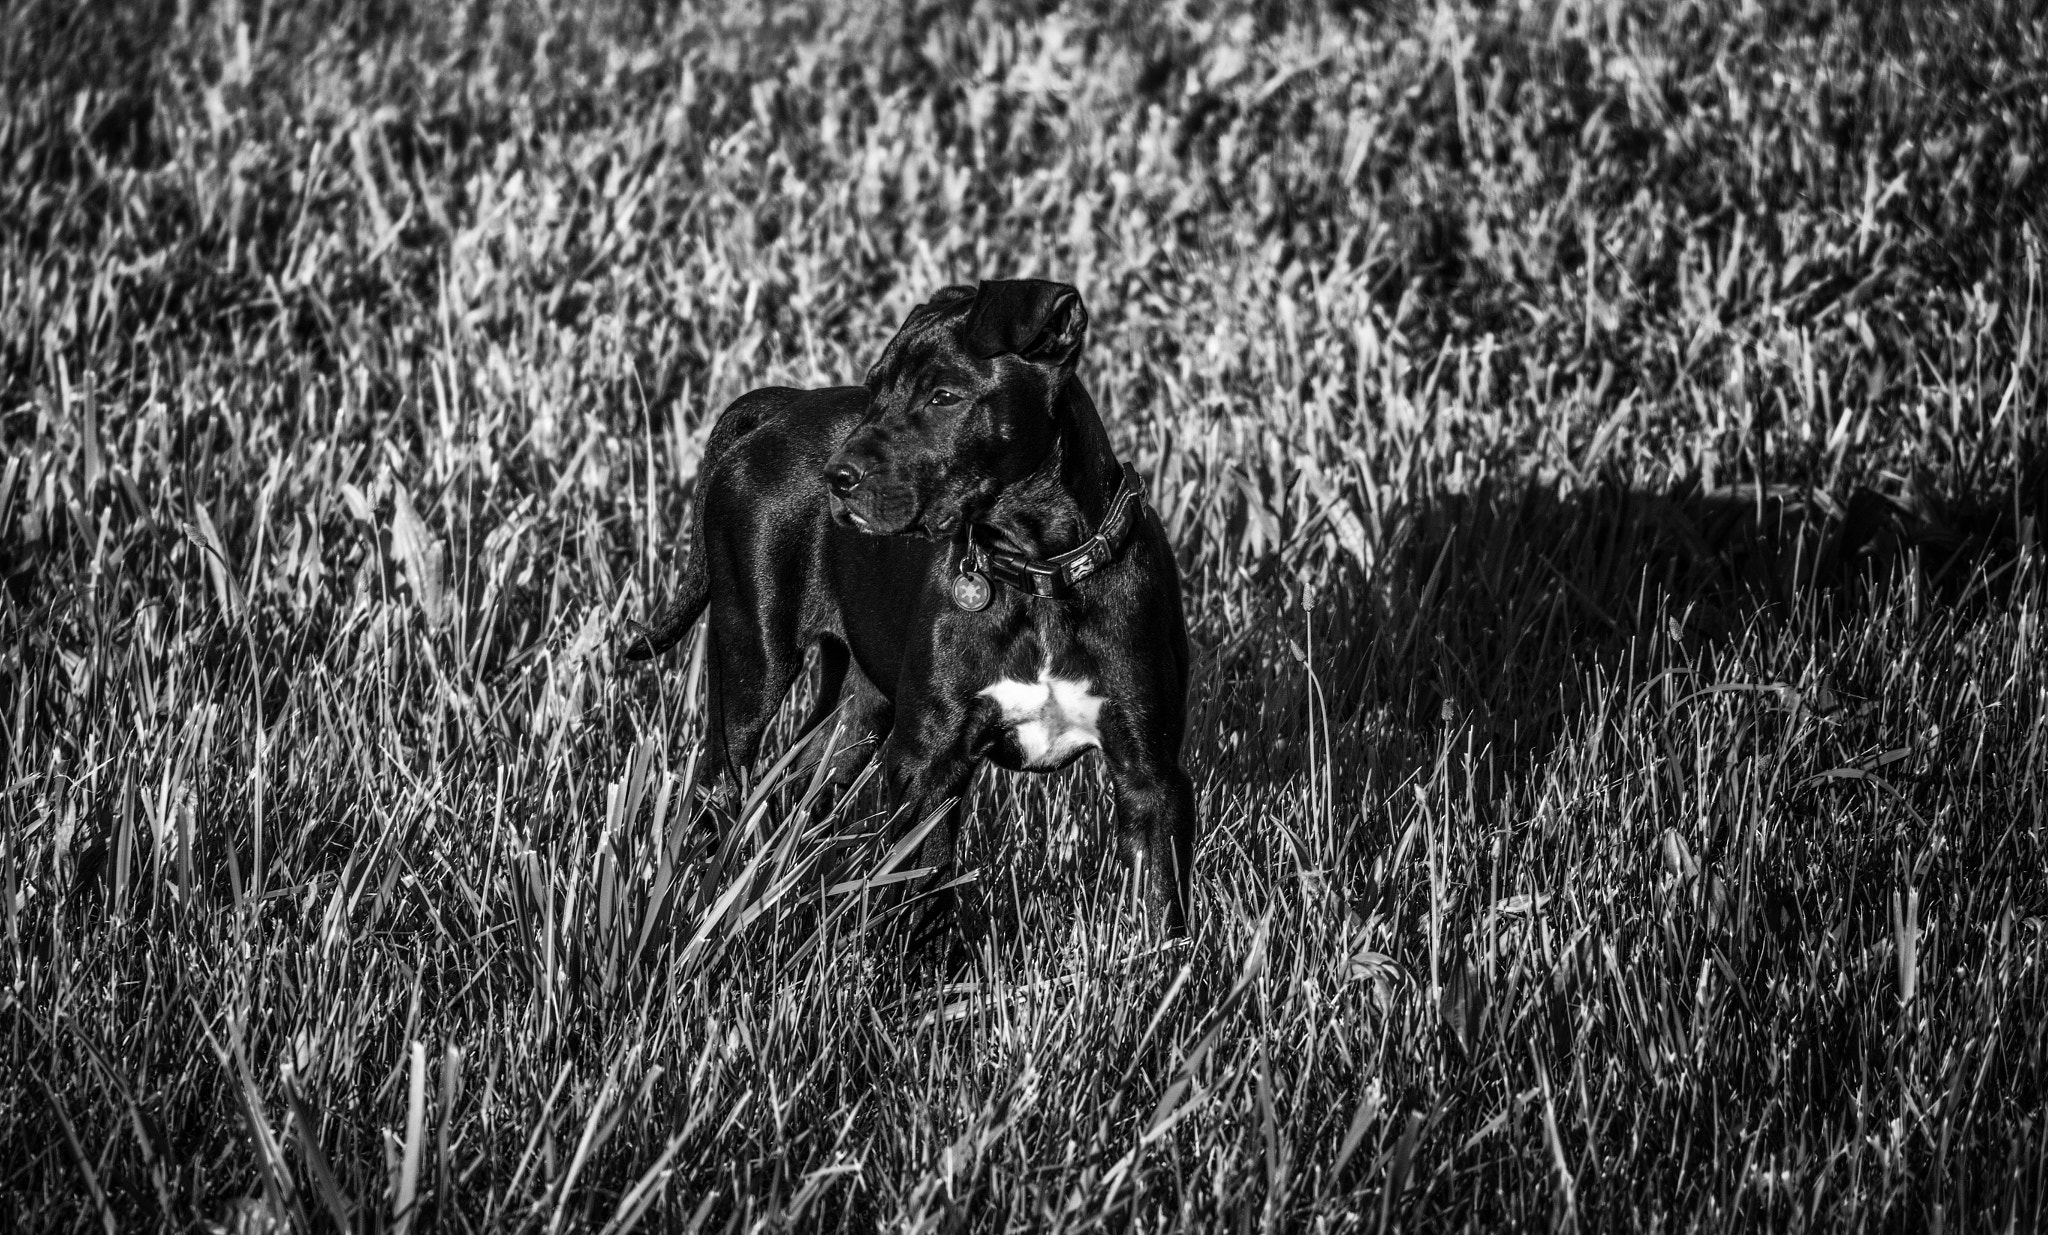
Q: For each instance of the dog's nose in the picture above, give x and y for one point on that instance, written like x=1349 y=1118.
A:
x=844 y=477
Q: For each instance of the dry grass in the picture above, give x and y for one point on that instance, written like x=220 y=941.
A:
x=1604 y=442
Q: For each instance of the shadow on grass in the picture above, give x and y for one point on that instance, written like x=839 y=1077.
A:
x=1505 y=609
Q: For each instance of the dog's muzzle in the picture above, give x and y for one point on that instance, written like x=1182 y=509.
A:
x=844 y=479
x=869 y=500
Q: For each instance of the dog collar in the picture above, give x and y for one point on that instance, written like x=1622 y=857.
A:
x=1052 y=578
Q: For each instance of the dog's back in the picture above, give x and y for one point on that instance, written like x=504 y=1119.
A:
x=760 y=465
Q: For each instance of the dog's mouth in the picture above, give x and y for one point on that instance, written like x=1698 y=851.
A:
x=873 y=517
x=913 y=519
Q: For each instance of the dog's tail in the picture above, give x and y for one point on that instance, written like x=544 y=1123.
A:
x=673 y=622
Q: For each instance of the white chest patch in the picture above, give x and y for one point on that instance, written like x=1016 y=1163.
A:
x=1052 y=719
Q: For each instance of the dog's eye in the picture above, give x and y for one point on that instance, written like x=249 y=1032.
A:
x=944 y=398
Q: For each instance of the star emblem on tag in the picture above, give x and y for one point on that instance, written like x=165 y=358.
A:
x=971 y=591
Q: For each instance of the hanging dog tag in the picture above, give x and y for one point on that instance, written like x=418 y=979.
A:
x=971 y=592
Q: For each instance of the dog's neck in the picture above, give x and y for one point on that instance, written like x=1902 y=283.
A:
x=1062 y=501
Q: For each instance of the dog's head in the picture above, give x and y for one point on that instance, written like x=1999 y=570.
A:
x=962 y=405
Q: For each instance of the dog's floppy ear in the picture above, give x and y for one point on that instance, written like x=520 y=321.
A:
x=942 y=300
x=1032 y=318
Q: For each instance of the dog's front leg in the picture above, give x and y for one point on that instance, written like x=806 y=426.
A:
x=927 y=762
x=1155 y=813
x=864 y=720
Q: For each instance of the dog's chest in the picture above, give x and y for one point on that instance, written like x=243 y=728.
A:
x=1049 y=721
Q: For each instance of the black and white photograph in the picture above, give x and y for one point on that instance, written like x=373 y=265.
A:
x=1070 y=616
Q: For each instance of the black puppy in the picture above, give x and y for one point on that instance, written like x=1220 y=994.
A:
x=961 y=531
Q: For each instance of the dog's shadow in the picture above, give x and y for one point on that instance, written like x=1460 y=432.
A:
x=1496 y=616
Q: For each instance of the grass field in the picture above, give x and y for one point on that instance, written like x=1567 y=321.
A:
x=1605 y=446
